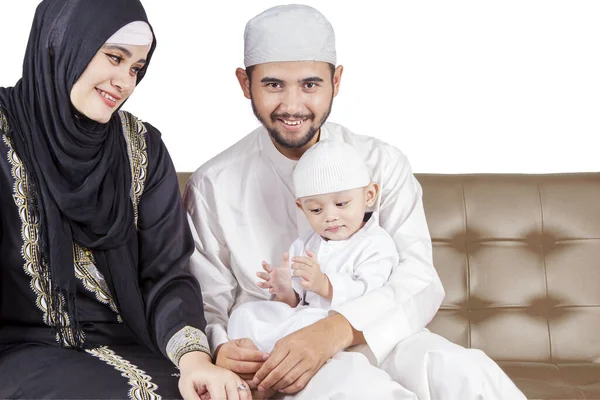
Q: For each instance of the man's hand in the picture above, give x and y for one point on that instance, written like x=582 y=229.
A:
x=298 y=356
x=242 y=357
x=279 y=281
x=313 y=279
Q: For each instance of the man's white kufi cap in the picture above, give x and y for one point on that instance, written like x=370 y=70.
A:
x=289 y=33
x=327 y=167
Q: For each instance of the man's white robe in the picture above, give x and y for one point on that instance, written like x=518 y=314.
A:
x=242 y=210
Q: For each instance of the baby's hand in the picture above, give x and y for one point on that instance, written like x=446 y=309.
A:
x=276 y=280
x=309 y=270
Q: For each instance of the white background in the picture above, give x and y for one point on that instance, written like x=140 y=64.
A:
x=459 y=86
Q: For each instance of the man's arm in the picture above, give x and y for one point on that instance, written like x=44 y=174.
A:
x=298 y=356
x=414 y=292
x=210 y=265
x=382 y=317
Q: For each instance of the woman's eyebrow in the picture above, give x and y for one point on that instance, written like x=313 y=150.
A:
x=124 y=50
x=120 y=48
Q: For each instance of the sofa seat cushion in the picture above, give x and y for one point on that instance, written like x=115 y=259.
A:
x=555 y=381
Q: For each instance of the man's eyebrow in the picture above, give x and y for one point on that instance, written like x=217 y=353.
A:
x=268 y=79
x=124 y=50
x=311 y=79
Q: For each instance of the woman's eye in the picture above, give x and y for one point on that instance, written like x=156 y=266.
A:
x=115 y=58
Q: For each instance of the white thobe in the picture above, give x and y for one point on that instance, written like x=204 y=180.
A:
x=354 y=266
x=242 y=210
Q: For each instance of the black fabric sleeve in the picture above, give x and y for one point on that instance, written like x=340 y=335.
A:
x=171 y=293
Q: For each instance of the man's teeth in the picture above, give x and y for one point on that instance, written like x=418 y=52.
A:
x=108 y=96
x=293 y=123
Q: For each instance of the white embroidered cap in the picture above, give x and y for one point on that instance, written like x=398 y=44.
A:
x=329 y=167
x=135 y=33
x=289 y=33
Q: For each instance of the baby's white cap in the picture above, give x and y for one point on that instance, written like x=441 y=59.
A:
x=327 y=167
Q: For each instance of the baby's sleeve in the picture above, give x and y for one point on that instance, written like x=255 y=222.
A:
x=371 y=270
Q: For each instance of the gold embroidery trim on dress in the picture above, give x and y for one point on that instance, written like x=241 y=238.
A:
x=185 y=340
x=85 y=265
x=85 y=268
x=3 y=122
x=30 y=249
x=91 y=278
x=141 y=384
x=135 y=131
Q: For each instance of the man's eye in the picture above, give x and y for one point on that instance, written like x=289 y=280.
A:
x=310 y=85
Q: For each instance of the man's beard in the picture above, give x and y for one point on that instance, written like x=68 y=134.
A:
x=298 y=142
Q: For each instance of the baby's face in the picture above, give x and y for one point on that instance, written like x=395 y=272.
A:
x=339 y=215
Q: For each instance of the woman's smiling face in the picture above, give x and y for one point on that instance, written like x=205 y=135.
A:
x=108 y=80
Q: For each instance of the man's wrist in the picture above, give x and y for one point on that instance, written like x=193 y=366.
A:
x=216 y=352
x=343 y=330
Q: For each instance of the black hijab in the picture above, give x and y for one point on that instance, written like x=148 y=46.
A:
x=78 y=168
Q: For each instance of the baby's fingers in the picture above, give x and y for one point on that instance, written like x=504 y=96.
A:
x=266 y=266
x=311 y=254
x=263 y=275
x=285 y=262
x=263 y=285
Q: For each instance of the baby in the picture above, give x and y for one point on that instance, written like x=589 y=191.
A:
x=344 y=256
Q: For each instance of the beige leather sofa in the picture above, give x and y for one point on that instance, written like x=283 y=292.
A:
x=519 y=256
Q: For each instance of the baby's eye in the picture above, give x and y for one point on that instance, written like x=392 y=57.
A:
x=315 y=210
x=342 y=204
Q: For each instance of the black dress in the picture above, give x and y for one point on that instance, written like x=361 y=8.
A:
x=114 y=364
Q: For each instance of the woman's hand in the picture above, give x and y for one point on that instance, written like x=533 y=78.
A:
x=202 y=380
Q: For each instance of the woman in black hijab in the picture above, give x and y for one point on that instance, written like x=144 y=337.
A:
x=96 y=299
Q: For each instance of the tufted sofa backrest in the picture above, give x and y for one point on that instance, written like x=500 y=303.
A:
x=519 y=257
